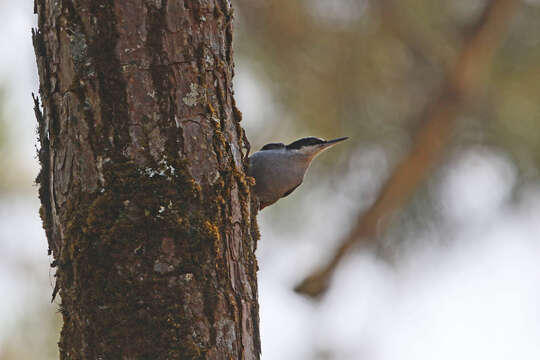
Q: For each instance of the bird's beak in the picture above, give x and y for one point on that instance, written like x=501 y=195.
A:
x=330 y=143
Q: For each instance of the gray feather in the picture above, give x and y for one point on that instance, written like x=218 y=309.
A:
x=277 y=173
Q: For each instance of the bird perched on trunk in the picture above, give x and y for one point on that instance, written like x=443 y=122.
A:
x=279 y=169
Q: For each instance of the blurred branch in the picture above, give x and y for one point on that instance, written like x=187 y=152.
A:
x=466 y=80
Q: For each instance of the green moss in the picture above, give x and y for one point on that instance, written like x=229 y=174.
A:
x=211 y=231
x=106 y=230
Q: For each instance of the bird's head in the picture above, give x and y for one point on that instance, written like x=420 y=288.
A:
x=312 y=146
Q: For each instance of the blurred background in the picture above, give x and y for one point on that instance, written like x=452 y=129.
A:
x=454 y=273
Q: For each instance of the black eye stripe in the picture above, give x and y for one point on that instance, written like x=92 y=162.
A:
x=272 y=146
x=305 y=142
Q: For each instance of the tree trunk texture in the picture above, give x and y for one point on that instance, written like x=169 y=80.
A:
x=145 y=203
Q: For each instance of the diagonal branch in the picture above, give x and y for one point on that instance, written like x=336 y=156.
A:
x=466 y=80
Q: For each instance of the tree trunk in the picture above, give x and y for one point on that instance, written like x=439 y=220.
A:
x=145 y=203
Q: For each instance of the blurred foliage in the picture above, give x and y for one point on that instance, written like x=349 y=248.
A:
x=3 y=128
x=5 y=145
x=367 y=68
x=35 y=336
x=13 y=176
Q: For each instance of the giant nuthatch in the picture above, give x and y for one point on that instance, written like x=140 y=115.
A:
x=279 y=169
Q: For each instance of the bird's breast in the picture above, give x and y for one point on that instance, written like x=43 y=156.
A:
x=276 y=173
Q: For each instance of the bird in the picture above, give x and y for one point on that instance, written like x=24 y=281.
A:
x=278 y=169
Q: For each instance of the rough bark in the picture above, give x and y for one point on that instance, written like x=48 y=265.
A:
x=144 y=199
